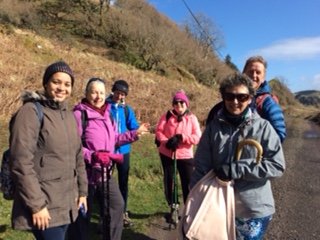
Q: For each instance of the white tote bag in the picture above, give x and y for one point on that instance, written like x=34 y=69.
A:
x=209 y=211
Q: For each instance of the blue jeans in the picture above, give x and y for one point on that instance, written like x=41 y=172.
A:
x=54 y=233
x=253 y=228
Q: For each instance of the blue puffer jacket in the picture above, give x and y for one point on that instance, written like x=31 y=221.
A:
x=272 y=112
x=124 y=121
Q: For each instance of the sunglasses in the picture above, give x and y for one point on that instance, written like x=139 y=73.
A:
x=176 y=102
x=241 y=97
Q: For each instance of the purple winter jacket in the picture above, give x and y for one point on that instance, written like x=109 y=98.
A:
x=100 y=133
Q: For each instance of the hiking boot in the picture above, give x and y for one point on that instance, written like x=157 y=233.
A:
x=168 y=217
x=127 y=222
x=99 y=227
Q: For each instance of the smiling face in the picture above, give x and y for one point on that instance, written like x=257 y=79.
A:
x=256 y=72
x=96 y=94
x=179 y=106
x=119 y=96
x=59 y=86
x=236 y=99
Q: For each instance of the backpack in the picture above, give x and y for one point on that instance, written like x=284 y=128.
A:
x=258 y=104
x=260 y=99
x=156 y=141
x=7 y=184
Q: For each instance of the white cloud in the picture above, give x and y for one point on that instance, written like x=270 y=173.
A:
x=292 y=49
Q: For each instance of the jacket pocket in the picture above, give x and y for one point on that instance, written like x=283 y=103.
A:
x=54 y=189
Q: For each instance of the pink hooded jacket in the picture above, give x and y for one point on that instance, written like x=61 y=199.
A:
x=189 y=128
x=100 y=135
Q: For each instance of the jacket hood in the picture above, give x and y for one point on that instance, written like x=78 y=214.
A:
x=264 y=88
x=39 y=96
x=80 y=106
x=31 y=96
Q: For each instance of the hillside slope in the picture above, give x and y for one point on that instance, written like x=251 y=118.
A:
x=25 y=55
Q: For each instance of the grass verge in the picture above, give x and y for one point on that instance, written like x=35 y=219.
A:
x=146 y=199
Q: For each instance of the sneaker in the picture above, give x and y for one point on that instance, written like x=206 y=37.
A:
x=127 y=222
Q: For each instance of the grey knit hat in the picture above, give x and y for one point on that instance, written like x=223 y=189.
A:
x=59 y=66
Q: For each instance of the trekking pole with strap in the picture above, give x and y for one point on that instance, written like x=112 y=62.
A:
x=175 y=205
x=106 y=231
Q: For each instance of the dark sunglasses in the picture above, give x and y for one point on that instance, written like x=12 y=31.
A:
x=241 y=97
x=176 y=102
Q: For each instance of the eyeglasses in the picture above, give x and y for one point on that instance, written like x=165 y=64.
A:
x=241 y=97
x=176 y=102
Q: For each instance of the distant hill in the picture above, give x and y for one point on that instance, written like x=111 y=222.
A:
x=309 y=98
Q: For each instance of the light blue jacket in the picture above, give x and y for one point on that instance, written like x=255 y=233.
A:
x=252 y=186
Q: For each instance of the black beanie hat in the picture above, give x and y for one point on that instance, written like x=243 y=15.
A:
x=57 y=67
x=120 y=85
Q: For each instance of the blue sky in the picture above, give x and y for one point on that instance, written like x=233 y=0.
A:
x=285 y=32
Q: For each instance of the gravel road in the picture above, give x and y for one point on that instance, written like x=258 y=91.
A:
x=297 y=193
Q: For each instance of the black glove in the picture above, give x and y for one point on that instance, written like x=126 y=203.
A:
x=179 y=136
x=173 y=142
x=224 y=173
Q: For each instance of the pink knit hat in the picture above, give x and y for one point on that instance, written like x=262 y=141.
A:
x=181 y=96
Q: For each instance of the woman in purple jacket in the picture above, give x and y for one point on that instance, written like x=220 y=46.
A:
x=99 y=139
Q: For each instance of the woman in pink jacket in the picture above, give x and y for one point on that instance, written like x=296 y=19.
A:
x=99 y=139
x=178 y=130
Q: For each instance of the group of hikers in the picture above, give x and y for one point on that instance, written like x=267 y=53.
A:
x=64 y=163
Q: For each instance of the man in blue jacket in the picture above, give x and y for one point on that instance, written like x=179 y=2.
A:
x=124 y=117
x=255 y=68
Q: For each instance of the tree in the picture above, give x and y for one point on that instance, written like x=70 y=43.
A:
x=205 y=32
x=229 y=62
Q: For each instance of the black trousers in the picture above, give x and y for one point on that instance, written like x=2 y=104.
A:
x=123 y=178
x=184 y=168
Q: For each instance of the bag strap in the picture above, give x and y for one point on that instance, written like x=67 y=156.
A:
x=84 y=124
x=39 y=112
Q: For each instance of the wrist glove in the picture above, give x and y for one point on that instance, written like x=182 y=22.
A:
x=173 y=142
x=224 y=173
x=101 y=157
x=179 y=137
x=116 y=157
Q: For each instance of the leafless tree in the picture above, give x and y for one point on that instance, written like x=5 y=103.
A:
x=207 y=34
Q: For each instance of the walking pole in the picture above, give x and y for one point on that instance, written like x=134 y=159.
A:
x=175 y=205
x=105 y=218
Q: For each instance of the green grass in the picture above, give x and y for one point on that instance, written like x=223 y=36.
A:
x=146 y=199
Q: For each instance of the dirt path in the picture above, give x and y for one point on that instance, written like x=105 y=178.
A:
x=297 y=193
